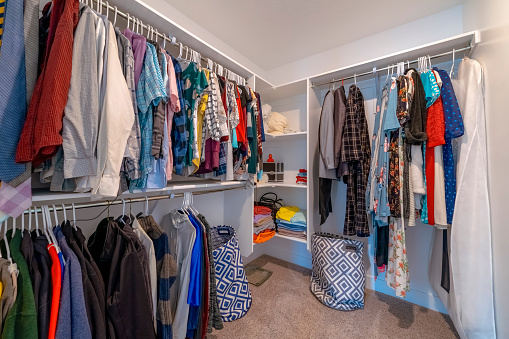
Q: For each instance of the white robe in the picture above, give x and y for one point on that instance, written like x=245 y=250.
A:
x=470 y=302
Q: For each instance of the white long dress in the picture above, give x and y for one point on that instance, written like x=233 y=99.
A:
x=470 y=302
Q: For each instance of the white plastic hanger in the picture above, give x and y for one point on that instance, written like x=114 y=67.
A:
x=44 y=221
x=74 y=217
x=164 y=40
x=115 y=17
x=146 y=207
x=50 y=226
x=30 y=219
x=65 y=213
x=451 y=73
x=128 y=19
x=37 y=222
x=22 y=223
x=107 y=10
x=355 y=79
x=6 y=243
x=13 y=227
x=141 y=27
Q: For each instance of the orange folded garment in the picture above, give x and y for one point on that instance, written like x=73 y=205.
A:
x=262 y=210
x=263 y=236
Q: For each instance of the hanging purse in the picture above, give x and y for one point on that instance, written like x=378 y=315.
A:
x=338 y=275
x=233 y=294
x=274 y=203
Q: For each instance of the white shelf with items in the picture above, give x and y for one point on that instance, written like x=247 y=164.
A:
x=285 y=137
x=279 y=184
x=304 y=241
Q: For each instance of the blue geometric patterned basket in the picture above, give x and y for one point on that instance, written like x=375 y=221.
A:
x=233 y=294
x=338 y=275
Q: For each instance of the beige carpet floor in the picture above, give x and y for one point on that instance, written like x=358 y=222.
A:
x=284 y=308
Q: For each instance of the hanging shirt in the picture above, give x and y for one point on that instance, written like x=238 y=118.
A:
x=182 y=235
x=195 y=82
x=21 y=321
x=44 y=260
x=41 y=137
x=194 y=298
x=13 y=89
x=131 y=163
x=430 y=87
x=72 y=316
x=179 y=134
x=117 y=118
x=139 y=46
x=172 y=106
x=453 y=129
x=149 y=93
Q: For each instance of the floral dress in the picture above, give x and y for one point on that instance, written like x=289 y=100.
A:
x=397 y=275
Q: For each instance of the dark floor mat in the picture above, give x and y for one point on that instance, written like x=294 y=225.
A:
x=257 y=275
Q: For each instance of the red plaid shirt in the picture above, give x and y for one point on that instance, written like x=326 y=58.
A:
x=41 y=137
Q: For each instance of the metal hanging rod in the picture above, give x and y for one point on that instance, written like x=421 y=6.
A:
x=389 y=67
x=171 y=39
x=127 y=200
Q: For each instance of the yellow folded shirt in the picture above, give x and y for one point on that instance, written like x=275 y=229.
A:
x=287 y=212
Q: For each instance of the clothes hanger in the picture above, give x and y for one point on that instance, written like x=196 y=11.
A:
x=44 y=220
x=130 y=206
x=355 y=79
x=6 y=243
x=115 y=17
x=22 y=223
x=30 y=220
x=451 y=73
x=141 y=27
x=192 y=205
x=74 y=217
x=164 y=41
x=37 y=222
x=146 y=206
x=128 y=19
x=180 y=53
x=50 y=227
x=65 y=213
x=108 y=10
x=13 y=227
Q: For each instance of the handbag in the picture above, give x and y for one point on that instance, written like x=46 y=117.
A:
x=274 y=203
x=338 y=275
x=233 y=294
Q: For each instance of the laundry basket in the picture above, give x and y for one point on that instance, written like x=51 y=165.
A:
x=338 y=275
x=233 y=294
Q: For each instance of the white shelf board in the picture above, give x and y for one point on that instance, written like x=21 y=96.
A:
x=437 y=47
x=280 y=184
x=43 y=196
x=304 y=241
x=280 y=137
x=270 y=93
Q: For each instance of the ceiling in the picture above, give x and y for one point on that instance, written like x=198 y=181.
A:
x=272 y=33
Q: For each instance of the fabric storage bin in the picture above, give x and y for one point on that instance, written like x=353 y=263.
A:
x=338 y=275
x=274 y=171
x=233 y=294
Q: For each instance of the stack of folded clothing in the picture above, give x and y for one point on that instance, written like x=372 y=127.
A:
x=264 y=227
x=291 y=222
x=302 y=177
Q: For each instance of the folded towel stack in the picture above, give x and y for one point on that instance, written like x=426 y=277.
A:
x=291 y=221
x=264 y=227
x=302 y=177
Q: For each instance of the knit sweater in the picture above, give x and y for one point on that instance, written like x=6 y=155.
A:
x=166 y=274
x=415 y=130
x=21 y=321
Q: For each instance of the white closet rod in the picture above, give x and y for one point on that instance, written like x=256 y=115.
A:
x=129 y=200
x=389 y=67
x=169 y=38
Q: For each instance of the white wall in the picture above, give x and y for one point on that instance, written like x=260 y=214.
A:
x=490 y=16
x=432 y=28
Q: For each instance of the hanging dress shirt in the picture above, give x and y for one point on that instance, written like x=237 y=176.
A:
x=13 y=106
x=41 y=137
x=117 y=119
